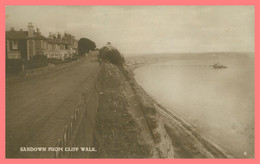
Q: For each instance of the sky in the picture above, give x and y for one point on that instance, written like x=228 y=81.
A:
x=145 y=29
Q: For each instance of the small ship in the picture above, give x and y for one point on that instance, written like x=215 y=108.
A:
x=218 y=66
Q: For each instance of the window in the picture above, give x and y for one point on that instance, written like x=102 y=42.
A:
x=14 y=44
x=45 y=45
x=42 y=46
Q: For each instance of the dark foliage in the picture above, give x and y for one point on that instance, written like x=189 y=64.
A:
x=37 y=62
x=59 y=61
x=111 y=55
x=14 y=65
x=84 y=45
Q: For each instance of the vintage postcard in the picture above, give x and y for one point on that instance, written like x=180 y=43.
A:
x=131 y=82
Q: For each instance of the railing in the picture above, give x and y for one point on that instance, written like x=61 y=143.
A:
x=70 y=131
x=78 y=123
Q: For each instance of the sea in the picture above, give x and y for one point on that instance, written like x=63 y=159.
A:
x=218 y=103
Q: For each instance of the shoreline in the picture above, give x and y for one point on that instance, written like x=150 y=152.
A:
x=212 y=147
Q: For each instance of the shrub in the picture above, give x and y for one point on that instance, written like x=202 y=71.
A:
x=14 y=65
x=37 y=62
x=84 y=45
x=111 y=55
x=53 y=60
x=39 y=58
x=59 y=61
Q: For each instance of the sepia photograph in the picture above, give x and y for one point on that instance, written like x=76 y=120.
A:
x=130 y=82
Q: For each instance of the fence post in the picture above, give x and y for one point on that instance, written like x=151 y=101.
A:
x=75 y=117
x=57 y=153
x=68 y=137
x=71 y=127
x=65 y=137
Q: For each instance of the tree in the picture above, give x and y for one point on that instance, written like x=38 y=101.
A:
x=111 y=55
x=85 y=45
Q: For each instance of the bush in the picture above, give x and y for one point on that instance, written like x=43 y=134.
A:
x=37 y=62
x=84 y=45
x=14 y=65
x=40 y=58
x=33 y=64
x=111 y=55
x=59 y=61
x=54 y=61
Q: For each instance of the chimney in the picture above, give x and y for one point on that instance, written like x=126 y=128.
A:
x=12 y=29
x=30 y=30
x=38 y=31
x=50 y=35
x=21 y=29
x=58 y=36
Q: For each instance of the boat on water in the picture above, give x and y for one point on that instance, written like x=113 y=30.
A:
x=218 y=66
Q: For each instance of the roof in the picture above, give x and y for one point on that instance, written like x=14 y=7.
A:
x=23 y=35
x=60 y=41
x=56 y=41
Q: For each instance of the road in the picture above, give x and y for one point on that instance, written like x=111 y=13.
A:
x=38 y=108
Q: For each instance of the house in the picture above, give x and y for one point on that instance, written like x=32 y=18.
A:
x=61 y=47
x=24 y=44
x=71 y=42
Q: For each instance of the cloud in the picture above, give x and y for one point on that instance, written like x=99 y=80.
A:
x=146 y=29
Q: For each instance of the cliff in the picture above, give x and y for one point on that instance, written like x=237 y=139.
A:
x=130 y=124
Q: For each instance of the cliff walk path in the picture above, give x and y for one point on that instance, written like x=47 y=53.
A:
x=38 y=108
